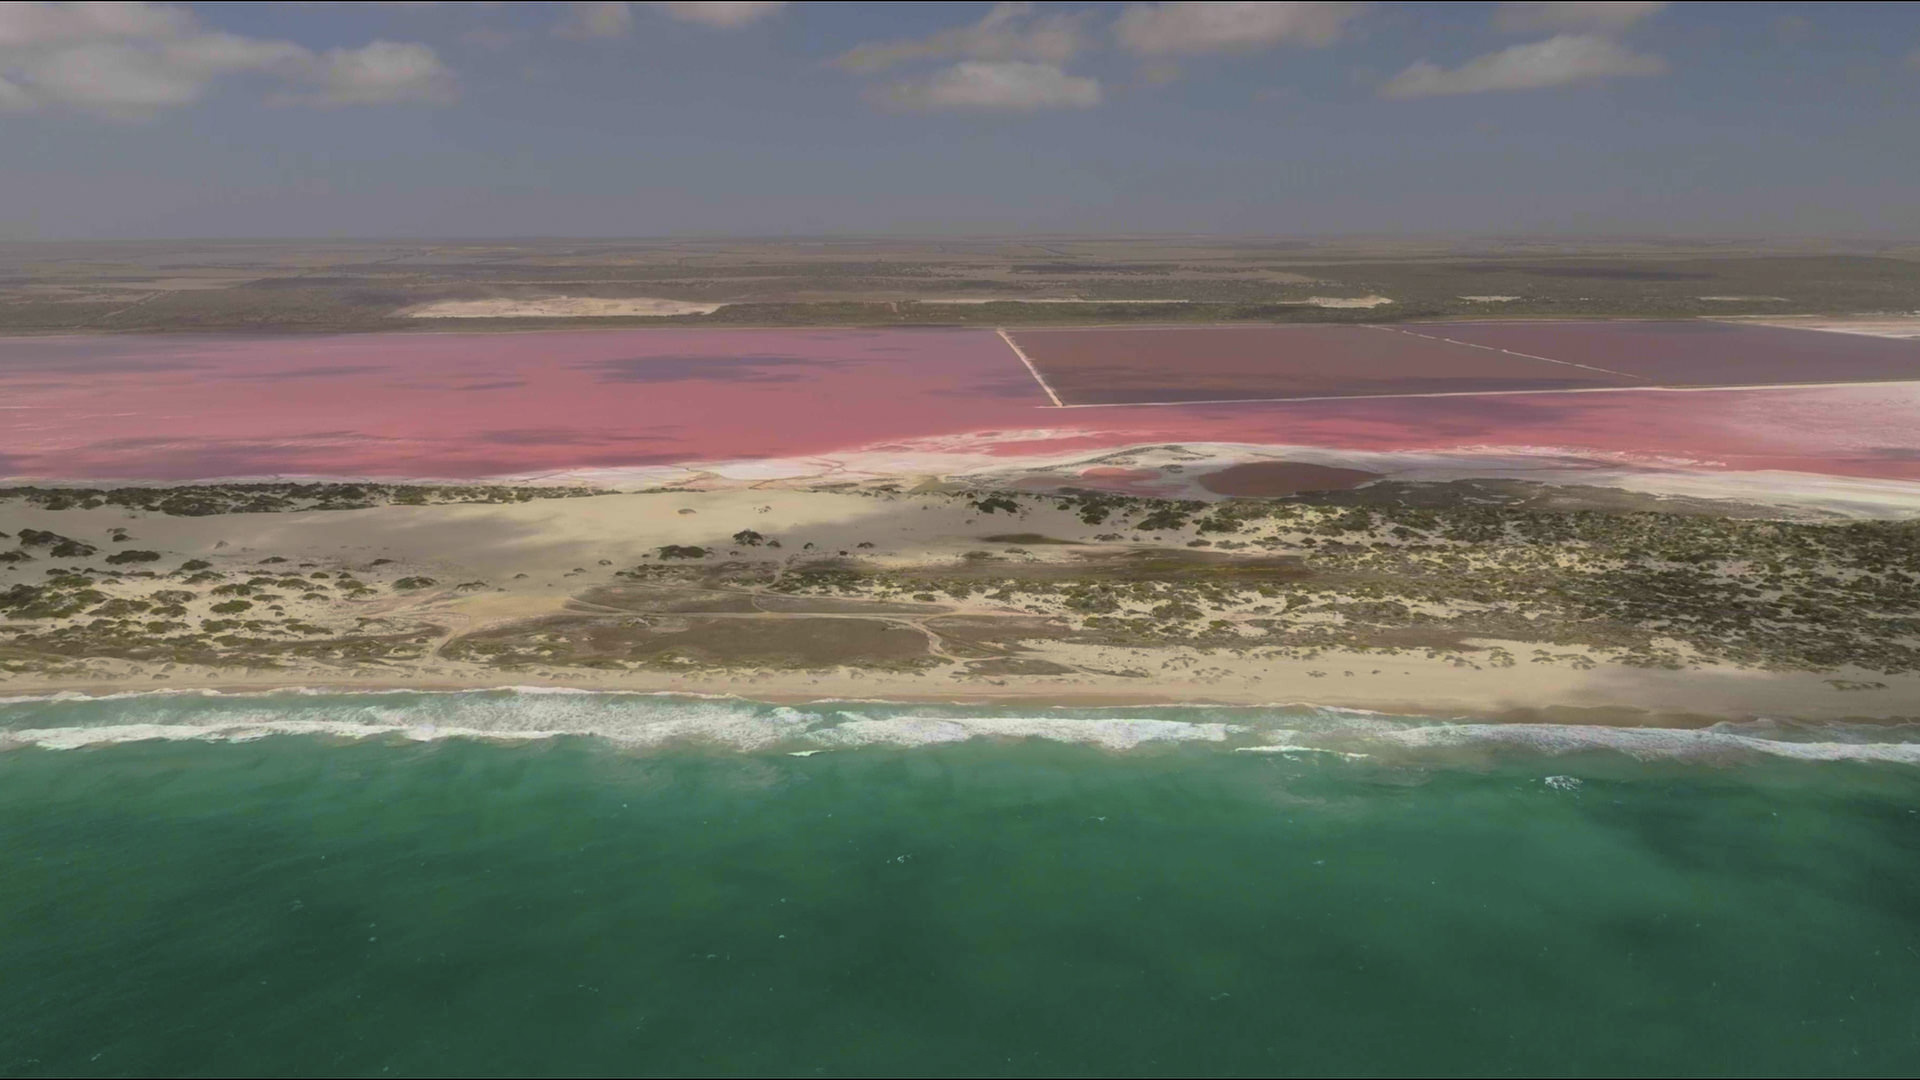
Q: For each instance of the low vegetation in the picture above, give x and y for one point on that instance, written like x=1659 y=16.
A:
x=202 y=500
x=1493 y=577
x=366 y=286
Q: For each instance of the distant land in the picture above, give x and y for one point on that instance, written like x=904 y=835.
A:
x=346 y=286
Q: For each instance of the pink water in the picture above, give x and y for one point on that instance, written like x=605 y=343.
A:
x=462 y=406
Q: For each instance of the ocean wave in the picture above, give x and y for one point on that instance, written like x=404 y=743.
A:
x=1113 y=734
x=1648 y=743
x=627 y=719
x=1291 y=748
x=74 y=738
x=652 y=719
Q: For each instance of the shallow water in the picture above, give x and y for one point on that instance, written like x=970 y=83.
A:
x=476 y=405
x=1117 y=891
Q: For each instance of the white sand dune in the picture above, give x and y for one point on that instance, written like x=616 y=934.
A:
x=1886 y=326
x=561 y=307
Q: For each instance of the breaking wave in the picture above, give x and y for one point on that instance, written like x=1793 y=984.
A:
x=639 y=720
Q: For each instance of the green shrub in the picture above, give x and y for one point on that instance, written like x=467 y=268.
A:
x=121 y=557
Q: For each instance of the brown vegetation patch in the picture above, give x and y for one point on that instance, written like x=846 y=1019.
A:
x=1258 y=479
x=1028 y=538
x=1535 y=496
x=1135 y=564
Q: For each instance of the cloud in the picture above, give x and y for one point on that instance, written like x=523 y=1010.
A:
x=1008 y=85
x=1558 y=61
x=594 y=21
x=1164 y=29
x=1008 y=32
x=381 y=73
x=51 y=24
x=612 y=20
x=130 y=60
x=1523 y=18
x=722 y=14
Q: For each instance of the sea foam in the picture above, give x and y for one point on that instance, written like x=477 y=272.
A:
x=646 y=720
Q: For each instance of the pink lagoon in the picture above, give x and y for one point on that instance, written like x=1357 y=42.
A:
x=469 y=406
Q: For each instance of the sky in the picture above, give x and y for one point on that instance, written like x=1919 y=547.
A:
x=150 y=121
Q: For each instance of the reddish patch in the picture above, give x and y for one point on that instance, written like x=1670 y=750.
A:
x=1241 y=363
x=473 y=405
x=478 y=405
x=1700 y=353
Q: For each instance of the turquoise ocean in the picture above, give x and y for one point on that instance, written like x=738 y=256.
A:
x=552 y=882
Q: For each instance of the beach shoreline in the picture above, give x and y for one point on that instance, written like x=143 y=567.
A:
x=1622 y=697
x=947 y=597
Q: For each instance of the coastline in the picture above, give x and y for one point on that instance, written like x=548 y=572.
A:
x=639 y=721
x=1609 y=695
x=412 y=588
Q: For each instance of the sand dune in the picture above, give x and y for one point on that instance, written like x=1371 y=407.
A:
x=558 y=307
x=1886 y=326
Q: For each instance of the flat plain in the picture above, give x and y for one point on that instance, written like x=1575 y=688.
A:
x=414 y=286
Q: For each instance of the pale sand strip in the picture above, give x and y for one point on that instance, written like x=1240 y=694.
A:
x=564 y=307
x=1896 y=327
x=1404 y=685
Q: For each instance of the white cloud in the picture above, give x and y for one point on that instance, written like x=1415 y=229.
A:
x=612 y=20
x=381 y=73
x=1163 y=29
x=594 y=21
x=133 y=59
x=1008 y=85
x=1614 y=16
x=720 y=13
x=1008 y=32
x=1557 y=61
x=53 y=24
